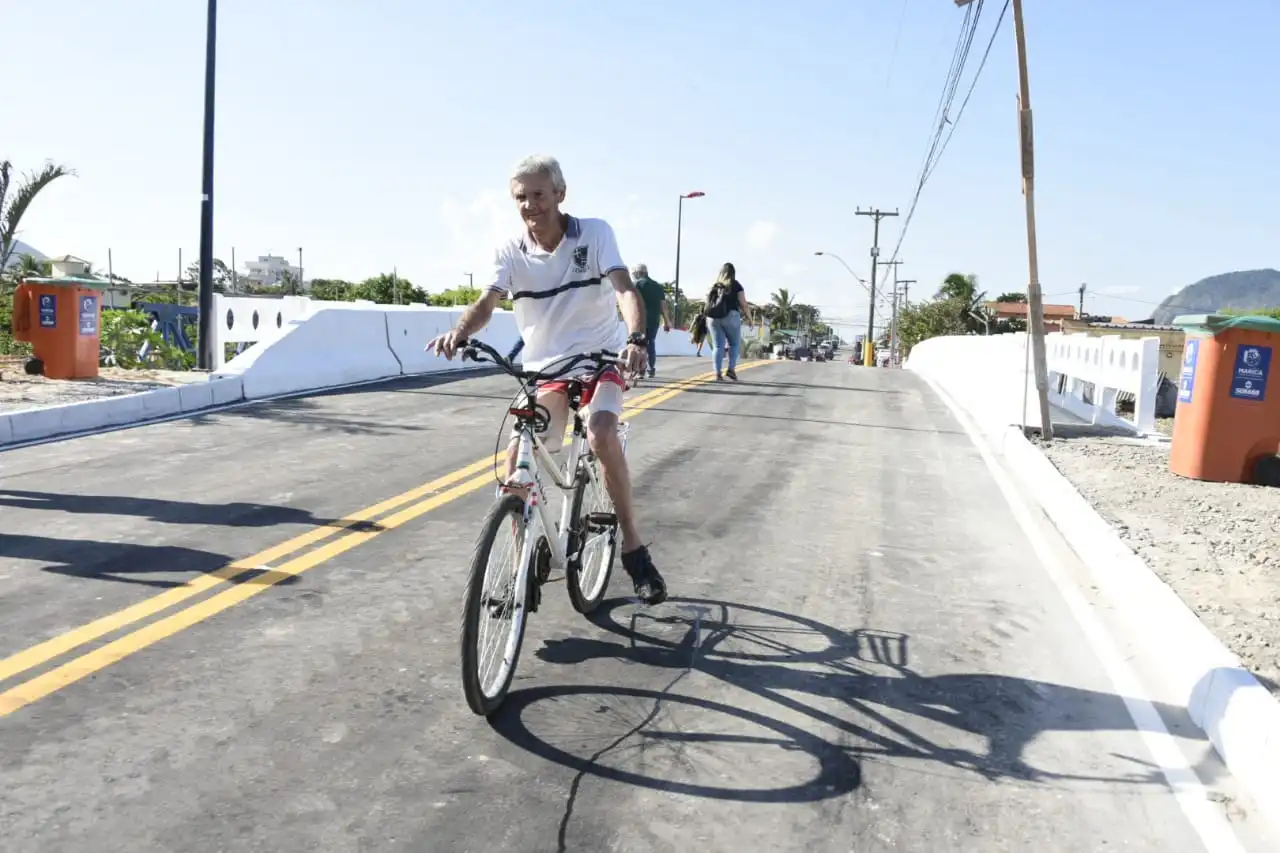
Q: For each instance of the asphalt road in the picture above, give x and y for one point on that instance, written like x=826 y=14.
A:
x=859 y=653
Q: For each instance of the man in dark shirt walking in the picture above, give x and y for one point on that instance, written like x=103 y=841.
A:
x=655 y=311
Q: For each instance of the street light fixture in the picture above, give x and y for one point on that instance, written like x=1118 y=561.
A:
x=679 y=228
x=851 y=272
x=1035 y=297
x=846 y=266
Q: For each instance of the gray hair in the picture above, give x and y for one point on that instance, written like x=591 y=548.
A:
x=540 y=164
x=640 y=271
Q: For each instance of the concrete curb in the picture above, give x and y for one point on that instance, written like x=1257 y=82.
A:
x=32 y=425
x=1239 y=716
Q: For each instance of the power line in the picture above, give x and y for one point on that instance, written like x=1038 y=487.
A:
x=969 y=28
x=972 y=85
x=959 y=57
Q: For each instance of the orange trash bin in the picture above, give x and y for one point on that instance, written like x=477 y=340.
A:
x=61 y=319
x=1226 y=427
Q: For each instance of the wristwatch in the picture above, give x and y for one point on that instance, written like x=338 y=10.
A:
x=636 y=338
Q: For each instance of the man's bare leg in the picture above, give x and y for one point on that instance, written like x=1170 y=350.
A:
x=557 y=405
x=602 y=436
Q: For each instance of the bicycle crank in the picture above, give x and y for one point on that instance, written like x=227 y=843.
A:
x=541 y=572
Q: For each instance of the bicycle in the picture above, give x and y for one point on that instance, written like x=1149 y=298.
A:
x=583 y=543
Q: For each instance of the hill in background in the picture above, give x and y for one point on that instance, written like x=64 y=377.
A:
x=1247 y=290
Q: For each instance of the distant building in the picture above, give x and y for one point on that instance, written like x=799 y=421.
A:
x=269 y=270
x=70 y=265
x=1054 y=315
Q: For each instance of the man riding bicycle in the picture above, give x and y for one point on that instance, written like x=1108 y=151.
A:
x=567 y=281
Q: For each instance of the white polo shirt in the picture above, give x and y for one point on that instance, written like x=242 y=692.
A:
x=563 y=301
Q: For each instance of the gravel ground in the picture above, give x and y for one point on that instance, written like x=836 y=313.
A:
x=1216 y=544
x=20 y=391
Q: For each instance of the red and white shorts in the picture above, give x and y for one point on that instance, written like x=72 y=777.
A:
x=600 y=393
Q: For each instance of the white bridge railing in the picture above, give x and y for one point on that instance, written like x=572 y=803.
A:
x=244 y=320
x=990 y=376
x=1110 y=365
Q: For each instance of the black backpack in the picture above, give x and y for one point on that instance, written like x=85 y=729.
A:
x=719 y=301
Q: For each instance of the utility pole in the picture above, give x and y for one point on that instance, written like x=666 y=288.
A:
x=895 y=346
x=869 y=347
x=893 y=303
x=1035 y=298
x=1082 y=289
x=204 y=319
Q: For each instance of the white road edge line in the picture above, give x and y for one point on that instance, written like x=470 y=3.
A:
x=1205 y=816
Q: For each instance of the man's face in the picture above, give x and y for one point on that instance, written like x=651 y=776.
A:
x=537 y=200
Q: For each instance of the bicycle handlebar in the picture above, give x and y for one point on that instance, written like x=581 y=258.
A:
x=472 y=349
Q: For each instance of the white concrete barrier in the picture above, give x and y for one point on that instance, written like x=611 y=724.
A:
x=333 y=345
x=409 y=330
x=984 y=374
x=253 y=319
x=256 y=320
x=990 y=377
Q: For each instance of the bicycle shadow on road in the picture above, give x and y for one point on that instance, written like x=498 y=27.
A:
x=167 y=511
x=860 y=689
x=122 y=562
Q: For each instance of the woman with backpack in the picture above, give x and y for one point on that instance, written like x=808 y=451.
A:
x=727 y=310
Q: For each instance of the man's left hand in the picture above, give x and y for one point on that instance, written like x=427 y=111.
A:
x=635 y=357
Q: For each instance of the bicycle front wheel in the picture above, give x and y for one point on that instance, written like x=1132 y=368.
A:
x=595 y=526
x=494 y=612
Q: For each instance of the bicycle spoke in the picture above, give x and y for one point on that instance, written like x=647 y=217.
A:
x=500 y=600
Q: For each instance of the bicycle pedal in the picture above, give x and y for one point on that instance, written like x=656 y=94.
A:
x=601 y=520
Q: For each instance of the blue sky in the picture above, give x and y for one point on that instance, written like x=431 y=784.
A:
x=380 y=133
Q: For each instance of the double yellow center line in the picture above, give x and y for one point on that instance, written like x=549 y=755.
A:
x=255 y=573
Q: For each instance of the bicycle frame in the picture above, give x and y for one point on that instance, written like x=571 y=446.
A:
x=532 y=458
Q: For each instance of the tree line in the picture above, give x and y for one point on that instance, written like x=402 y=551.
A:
x=957 y=308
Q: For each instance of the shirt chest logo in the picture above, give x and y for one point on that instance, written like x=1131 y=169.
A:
x=580 y=258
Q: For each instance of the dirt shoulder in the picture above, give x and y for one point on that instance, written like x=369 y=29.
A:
x=1216 y=544
x=20 y=391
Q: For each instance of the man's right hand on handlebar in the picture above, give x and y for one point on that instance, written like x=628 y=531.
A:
x=447 y=344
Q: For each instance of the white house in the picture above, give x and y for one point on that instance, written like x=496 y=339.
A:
x=270 y=269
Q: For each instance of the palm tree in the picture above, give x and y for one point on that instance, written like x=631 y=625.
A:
x=28 y=267
x=783 y=308
x=964 y=290
x=13 y=206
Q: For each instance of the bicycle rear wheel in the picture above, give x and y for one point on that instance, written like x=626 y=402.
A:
x=489 y=649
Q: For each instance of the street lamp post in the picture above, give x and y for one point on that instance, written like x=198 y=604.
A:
x=300 y=279
x=204 y=354
x=1035 y=297
x=856 y=277
x=679 y=228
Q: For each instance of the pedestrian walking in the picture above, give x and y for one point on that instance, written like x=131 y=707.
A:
x=727 y=310
x=655 y=311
